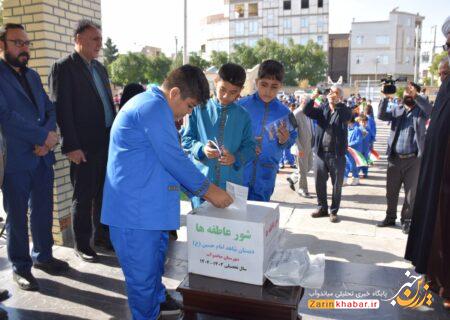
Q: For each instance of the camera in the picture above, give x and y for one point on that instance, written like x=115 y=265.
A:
x=388 y=84
x=324 y=92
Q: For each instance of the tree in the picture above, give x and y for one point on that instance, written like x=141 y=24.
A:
x=130 y=67
x=218 y=58
x=1 y=12
x=244 y=55
x=110 y=52
x=157 y=68
x=196 y=60
x=434 y=67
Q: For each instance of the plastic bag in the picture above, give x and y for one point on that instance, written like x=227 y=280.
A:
x=295 y=267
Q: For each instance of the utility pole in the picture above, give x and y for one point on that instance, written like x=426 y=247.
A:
x=432 y=54
x=418 y=29
x=185 y=55
x=176 y=47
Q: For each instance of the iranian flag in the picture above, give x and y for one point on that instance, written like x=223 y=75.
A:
x=317 y=102
x=360 y=160
x=374 y=156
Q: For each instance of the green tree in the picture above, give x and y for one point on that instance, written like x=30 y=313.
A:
x=196 y=60
x=130 y=67
x=244 y=55
x=157 y=68
x=1 y=12
x=434 y=67
x=110 y=52
x=218 y=58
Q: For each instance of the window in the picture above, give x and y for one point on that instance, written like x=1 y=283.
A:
x=304 y=22
x=320 y=40
x=407 y=59
x=426 y=57
x=359 y=59
x=305 y=4
x=384 y=40
x=286 y=5
x=320 y=23
x=303 y=40
x=239 y=28
x=359 y=40
x=252 y=42
x=287 y=24
x=384 y=59
x=320 y=3
x=271 y=34
x=239 y=10
x=408 y=41
x=270 y=17
x=253 y=27
x=253 y=10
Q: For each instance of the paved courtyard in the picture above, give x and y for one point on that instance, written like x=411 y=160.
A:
x=360 y=259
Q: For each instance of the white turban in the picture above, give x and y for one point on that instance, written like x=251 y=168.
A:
x=446 y=27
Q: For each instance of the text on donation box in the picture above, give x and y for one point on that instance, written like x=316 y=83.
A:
x=235 y=247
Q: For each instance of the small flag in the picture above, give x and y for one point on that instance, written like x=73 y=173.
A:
x=360 y=160
x=317 y=102
x=374 y=156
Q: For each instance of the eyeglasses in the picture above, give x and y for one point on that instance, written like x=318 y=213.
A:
x=446 y=46
x=21 y=43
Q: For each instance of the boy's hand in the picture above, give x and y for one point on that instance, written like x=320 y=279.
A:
x=210 y=151
x=227 y=158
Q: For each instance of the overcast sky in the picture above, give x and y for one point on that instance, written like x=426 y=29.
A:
x=132 y=24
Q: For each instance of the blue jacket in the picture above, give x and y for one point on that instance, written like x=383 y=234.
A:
x=231 y=126
x=146 y=167
x=260 y=174
x=25 y=125
x=355 y=137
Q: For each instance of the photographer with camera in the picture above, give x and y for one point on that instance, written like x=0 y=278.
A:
x=330 y=145
x=405 y=148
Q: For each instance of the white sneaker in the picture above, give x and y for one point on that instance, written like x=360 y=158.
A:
x=355 y=182
x=345 y=182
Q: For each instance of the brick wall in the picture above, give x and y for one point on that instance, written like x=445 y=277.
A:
x=50 y=25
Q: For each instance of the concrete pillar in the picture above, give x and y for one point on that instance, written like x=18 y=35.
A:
x=50 y=25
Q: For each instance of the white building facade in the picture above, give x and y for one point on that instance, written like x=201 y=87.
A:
x=378 y=48
x=247 y=21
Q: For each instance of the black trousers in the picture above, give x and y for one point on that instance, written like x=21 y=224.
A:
x=87 y=180
x=329 y=165
x=406 y=172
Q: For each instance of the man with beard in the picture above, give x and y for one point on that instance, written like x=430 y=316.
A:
x=30 y=133
x=428 y=242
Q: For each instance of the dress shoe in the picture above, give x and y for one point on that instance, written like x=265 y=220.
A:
x=170 y=307
x=386 y=223
x=87 y=255
x=334 y=218
x=319 y=213
x=53 y=266
x=26 y=281
x=3 y=314
x=4 y=294
x=303 y=193
x=406 y=226
x=291 y=183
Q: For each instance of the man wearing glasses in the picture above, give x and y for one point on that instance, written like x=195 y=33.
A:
x=29 y=128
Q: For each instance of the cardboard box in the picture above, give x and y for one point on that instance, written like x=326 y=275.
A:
x=233 y=244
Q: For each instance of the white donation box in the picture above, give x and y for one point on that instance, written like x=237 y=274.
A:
x=233 y=244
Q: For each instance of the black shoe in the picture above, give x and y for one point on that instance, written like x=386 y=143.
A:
x=386 y=223
x=53 y=266
x=87 y=255
x=406 y=226
x=319 y=213
x=334 y=218
x=170 y=307
x=26 y=281
x=4 y=294
x=291 y=183
x=293 y=166
x=173 y=235
x=303 y=193
x=3 y=314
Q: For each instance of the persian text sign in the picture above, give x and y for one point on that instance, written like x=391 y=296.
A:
x=233 y=245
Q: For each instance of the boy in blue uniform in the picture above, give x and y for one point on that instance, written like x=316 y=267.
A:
x=225 y=122
x=355 y=141
x=146 y=169
x=272 y=128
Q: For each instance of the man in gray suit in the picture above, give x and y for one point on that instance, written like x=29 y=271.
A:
x=303 y=154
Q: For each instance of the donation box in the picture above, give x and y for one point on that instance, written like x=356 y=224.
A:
x=233 y=244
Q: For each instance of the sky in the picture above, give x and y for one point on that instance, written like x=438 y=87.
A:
x=132 y=24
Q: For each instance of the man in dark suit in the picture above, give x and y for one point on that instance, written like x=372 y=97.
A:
x=29 y=127
x=405 y=147
x=330 y=145
x=80 y=89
